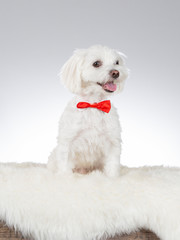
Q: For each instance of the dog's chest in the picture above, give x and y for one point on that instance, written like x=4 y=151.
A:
x=94 y=119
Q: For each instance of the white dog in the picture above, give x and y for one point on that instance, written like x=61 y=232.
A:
x=89 y=137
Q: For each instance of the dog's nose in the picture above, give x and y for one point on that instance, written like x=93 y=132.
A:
x=114 y=74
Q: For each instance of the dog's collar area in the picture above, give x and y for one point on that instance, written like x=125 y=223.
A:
x=104 y=106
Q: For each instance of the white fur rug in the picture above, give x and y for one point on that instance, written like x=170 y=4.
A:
x=84 y=207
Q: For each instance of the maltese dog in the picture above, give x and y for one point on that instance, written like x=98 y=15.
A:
x=89 y=129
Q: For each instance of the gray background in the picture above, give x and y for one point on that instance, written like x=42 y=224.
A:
x=37 y=37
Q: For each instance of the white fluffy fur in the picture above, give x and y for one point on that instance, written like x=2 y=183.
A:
x=85 y=207
x=89 y=138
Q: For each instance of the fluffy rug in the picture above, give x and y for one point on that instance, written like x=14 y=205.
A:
x=86 y=207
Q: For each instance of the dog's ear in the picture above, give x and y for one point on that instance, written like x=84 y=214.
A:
x=71 y=72
x=122 y=56
x=123 y=70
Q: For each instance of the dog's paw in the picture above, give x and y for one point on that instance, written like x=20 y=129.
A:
x=112 y=172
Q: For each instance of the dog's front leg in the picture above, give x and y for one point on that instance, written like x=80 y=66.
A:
x=112 y=160
x=64 y=164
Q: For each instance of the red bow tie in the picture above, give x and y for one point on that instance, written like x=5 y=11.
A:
x=104 y=106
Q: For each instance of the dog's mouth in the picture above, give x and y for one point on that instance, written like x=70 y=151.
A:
x=109 y=86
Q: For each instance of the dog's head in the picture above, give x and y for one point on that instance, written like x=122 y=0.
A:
x=96 y=70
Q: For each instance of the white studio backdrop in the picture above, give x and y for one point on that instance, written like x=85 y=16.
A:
x=37 y=37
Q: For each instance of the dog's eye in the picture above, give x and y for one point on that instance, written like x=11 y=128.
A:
x=97 y=64
x=117 y=62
